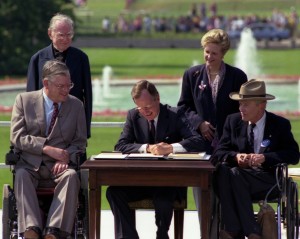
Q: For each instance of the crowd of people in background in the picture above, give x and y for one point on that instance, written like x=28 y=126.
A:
x=199 y=19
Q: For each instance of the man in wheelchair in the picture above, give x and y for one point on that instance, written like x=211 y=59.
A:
x=48 y=130
x=254 y=141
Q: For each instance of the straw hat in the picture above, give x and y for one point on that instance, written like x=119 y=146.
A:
x=252 y=90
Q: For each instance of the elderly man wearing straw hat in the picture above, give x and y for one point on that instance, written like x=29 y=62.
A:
x=254 y=141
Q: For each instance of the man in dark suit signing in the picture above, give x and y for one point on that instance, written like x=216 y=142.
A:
x=61 y=32
x=158 y=129
x=254 y=141
x=48 y=131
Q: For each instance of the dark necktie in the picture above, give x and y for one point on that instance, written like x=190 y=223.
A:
x=152 y=132
x=251 y=138
x=53 y=118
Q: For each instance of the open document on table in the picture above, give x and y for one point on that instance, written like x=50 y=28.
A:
x=149 y=156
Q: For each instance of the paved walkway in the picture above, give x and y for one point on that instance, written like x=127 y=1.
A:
x=146 y=225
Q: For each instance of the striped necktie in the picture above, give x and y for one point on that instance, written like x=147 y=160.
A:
x=53 y=118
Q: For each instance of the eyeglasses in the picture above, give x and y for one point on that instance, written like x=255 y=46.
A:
x=62 y=87
x=61 y=36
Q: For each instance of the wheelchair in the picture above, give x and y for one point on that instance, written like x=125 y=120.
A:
x=285 y=195
x=45 y=195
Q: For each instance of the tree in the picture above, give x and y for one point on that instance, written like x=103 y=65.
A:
x=23 y=31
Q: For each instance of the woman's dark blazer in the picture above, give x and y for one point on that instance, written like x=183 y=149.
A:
x=198 y=103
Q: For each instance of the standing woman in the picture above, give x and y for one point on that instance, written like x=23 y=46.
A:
x=205 y=95
x=205 y=89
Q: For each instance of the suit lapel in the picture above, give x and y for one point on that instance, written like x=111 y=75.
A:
x=63 y=111
x=162 y=124
x=143 y=123
x=72 y=61
x=40 y=113
x=267 y=135
x=241 y=135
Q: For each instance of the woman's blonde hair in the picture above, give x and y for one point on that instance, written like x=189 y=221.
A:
x=216 y=36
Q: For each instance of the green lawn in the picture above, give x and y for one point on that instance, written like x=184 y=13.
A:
x=128 y=62
x=92 y=14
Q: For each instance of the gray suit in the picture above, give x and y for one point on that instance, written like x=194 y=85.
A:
x=28 y=135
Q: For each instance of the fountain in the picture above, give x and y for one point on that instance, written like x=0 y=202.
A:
x=246 y=55
x=116 y=97
x=97 y=92
x=106 y=78
x=102 y=96
x=247 y=60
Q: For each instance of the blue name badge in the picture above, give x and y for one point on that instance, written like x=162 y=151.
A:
x=265 y=143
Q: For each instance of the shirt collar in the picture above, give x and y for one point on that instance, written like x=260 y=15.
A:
x=155 y=120
x=261 y=122
x=48 y=103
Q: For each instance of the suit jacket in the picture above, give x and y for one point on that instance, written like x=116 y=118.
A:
x=28 y=129
x=79 y=67
x=282 y=148
x=198 y=103
x=172 y=127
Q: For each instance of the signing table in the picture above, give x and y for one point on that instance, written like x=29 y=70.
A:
x=196 y=173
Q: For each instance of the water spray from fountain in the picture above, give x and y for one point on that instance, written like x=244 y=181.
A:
x=106 y=78
x=246 y=55
x=102 y=88
x=97 y=92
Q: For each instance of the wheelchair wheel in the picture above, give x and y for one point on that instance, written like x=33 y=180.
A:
x=5 y=212
x=85 y=204
x=9 y=214
x=84 y=232
x=292 y=211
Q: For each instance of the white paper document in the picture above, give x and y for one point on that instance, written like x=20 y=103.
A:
x=144 y=155
x=111 y=155
x=193 y=156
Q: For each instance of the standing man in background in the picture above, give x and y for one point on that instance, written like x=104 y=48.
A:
x=61 y=32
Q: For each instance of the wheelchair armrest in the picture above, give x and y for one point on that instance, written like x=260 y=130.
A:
x=81 y=158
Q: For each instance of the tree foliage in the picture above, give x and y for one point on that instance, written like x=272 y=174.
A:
x=23 y=31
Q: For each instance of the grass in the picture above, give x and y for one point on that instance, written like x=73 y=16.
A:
x=92 y=14
x=145 y=63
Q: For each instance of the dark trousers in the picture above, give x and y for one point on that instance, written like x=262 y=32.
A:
x=163 y=199
x=237 y=188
